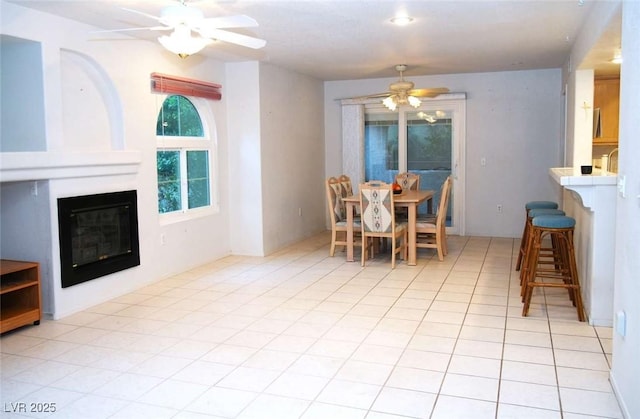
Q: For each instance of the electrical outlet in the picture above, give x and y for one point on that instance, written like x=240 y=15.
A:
x=299 y=212
x=622 y=186
x=483 y=162
x=499 y=208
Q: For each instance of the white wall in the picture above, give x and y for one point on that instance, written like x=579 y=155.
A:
x=276 y=157
x=85 y=108
x=514 y=120
x=292 y=136
x=245 y=166
x=625 y=372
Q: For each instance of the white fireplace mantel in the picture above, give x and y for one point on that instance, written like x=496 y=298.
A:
x=29 y=230
x=41 y=165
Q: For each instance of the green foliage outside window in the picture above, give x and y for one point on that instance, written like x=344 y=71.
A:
x=429 y=145
x=169 y=193
x=179 y=118
x=198 y=178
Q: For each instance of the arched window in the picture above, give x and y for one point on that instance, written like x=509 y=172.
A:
x=183 y=156
x=179 y=118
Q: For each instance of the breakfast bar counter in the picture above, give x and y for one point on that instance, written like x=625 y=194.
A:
x=591 y=200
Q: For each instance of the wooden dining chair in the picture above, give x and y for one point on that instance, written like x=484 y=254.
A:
x=432 y=233
x=347 y=190
x=377 y=216
x=408 y=181
x=347 y=187
x=338 y=215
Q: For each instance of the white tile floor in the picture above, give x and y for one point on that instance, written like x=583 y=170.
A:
x=303 y=335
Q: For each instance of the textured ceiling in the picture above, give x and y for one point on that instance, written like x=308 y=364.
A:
x=349 y=39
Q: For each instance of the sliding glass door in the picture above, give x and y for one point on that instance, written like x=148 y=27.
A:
x=428 y=141
x=429 y=151
x=381 y=146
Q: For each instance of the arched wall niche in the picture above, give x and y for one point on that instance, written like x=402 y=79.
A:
x=92 y=109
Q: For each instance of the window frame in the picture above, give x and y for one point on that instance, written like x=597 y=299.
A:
x=183 y=144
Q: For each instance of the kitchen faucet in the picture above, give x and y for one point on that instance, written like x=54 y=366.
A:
x=615 y=150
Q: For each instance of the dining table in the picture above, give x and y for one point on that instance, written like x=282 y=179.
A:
x=409 y=199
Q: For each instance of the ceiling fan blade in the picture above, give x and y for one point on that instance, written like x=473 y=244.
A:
x=232 y=37
x=238 y=21
x=372 y=96
x=432 y=92
x=150 y=28
x=365 y=97
x=141 y=13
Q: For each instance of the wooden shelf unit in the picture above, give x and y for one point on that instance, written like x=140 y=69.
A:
x=20 y=300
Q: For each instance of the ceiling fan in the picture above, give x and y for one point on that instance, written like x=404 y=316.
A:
x=186 y=20
x=402 y=92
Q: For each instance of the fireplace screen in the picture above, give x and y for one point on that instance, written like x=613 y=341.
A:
x=98 y=235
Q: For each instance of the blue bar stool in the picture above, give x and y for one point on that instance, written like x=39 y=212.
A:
x=545 y=252
x=528 y=207
x=564 y=274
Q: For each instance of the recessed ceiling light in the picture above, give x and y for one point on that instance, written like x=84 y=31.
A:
x=617 y=59
x=401 y=20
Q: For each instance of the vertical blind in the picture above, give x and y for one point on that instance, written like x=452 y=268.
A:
x=163 y=83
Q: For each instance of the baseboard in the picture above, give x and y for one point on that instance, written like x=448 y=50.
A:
x=616 y=392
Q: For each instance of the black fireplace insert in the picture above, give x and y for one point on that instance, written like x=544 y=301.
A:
x=98 y=235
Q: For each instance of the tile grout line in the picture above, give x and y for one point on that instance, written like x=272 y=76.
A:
x=504 y=335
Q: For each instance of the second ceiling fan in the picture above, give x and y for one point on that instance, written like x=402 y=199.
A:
x=402 y=92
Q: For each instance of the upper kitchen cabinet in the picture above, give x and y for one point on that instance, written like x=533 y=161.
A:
x=606 y=101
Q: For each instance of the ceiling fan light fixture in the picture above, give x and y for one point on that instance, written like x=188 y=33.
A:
x=390 y=103
x=414 y=101
x=181 y=43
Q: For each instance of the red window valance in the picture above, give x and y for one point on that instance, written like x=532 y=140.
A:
x=163 y=83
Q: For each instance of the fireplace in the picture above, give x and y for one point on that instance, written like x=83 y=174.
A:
x=98 y=235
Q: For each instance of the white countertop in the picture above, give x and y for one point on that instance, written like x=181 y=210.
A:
x=566 y=176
